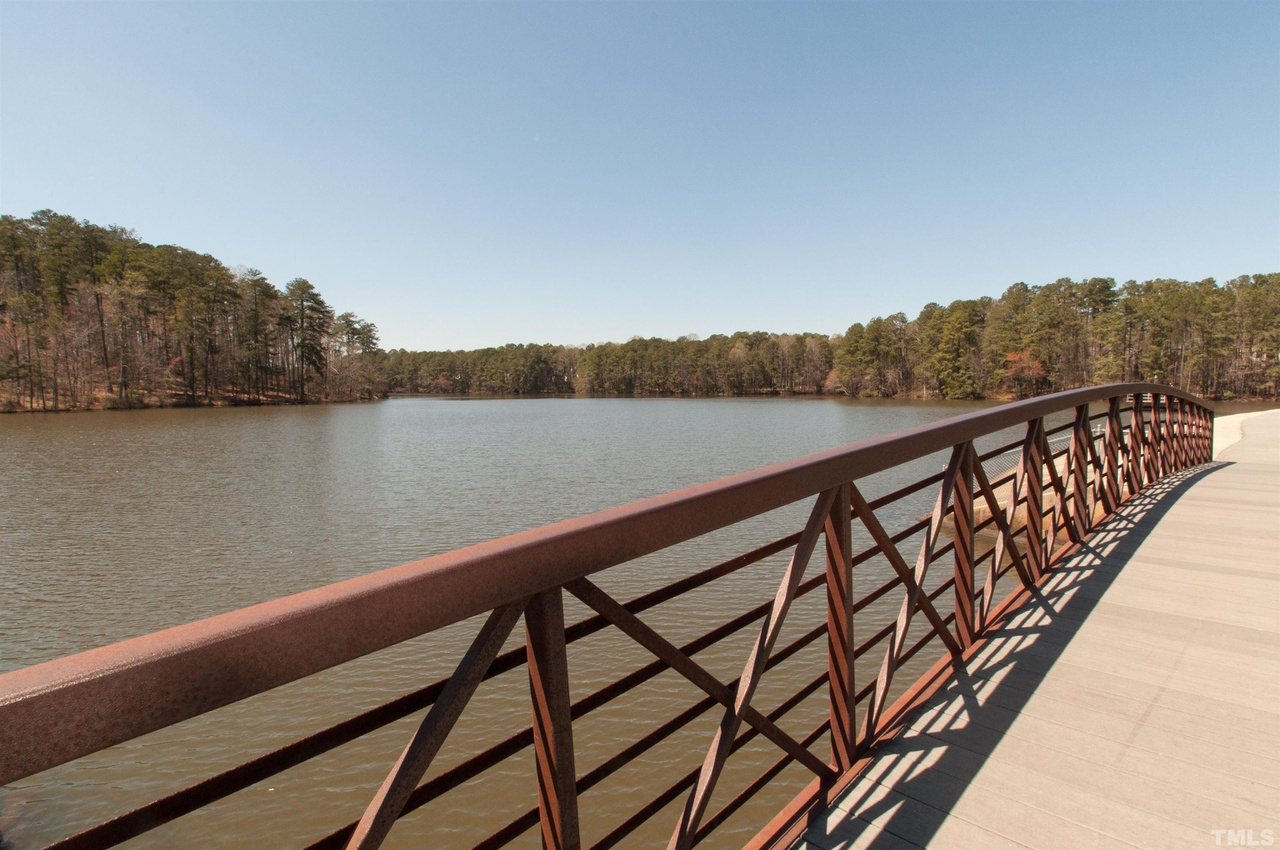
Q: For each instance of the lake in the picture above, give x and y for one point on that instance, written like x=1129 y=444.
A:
x=118 y=524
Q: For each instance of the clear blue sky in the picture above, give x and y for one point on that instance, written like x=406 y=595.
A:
x=473 y=174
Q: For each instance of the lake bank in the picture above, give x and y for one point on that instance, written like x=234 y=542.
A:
x=112 y=405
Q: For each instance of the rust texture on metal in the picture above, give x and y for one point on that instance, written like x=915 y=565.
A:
x=1040 y=505
x=840 y=646
x=725 y=735
x=552 y=724
x=1131 y=457
x=962 y=523
x=389 y=801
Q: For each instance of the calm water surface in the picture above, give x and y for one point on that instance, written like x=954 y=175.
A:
x=117 y=524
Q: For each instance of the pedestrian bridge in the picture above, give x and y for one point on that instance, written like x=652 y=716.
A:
x=1065 y=634
x=1133 y=699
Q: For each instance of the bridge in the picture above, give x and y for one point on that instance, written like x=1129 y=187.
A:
x=1133 y=700
x=1064 y=633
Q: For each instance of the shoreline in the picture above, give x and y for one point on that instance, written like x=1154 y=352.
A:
x=217 y=405
x=1231 y=420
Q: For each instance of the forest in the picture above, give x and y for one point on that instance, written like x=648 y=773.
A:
x=1217 y=341
x=93 y=317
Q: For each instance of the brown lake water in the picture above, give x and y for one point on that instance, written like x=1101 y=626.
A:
x=118 y=524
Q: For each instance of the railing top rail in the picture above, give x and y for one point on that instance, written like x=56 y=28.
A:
x=53 y=712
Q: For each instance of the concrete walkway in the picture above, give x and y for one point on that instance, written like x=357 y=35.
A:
x=1134 y=703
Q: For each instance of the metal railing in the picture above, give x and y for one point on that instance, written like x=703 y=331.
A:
x=1038 y=512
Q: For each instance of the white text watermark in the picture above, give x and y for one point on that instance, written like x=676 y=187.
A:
x=1244 y=837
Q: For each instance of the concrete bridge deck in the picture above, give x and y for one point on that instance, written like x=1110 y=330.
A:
x=1133 y=702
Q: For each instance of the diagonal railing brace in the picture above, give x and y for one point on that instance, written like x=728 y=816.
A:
x=389 y=802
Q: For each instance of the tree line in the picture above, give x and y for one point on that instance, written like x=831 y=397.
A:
x=741 y=364
x=1216 y=341
x=92 y=316
x=1219 y=341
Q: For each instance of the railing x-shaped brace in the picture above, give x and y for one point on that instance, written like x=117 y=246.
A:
x=1090 y=479
x=1166 y=431
x=722 y=741
x=422 y=748
x=552 y=725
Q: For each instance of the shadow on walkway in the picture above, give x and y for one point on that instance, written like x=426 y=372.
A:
x=908 y=791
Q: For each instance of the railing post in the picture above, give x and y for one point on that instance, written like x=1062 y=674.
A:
x=1134 y=456
x=1206 y=434
x=1155 y=441
x=1189 y=433
x=1203 y=449
x=962 y=521
x=1197 y=417
x=1122 y=451
x=1078 y=470
x=552 y=725
x=1111 y=457
x=1202 y=432
x=1184 y=435
x=840 y=681
x=1033 y=475
x=1150 y=445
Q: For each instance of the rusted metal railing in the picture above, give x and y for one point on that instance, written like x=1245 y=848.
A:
x=1119 y=439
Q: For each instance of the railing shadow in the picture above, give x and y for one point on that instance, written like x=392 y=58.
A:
x=909 y=789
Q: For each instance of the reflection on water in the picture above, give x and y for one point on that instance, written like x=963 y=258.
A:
x=118 y=524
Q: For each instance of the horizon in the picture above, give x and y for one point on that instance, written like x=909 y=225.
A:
x=602 y=173
x=694 y=337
